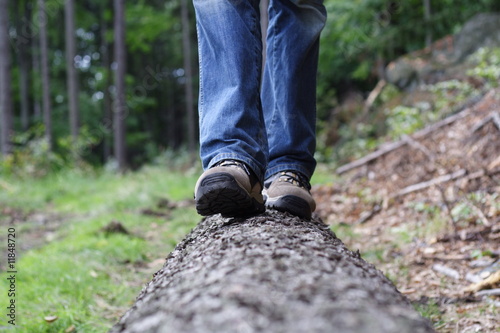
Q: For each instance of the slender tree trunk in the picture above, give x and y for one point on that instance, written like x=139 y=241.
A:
x=120 y=107
x=44 y=59
x=35 y=79
x=268 y=273
x=5 y=80
x=72 y=76
x=427 y=20
x=186 y=44
x=23 y=46
x=107 y=102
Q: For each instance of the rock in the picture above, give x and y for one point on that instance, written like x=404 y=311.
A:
x=406 y=72
x=482 y=30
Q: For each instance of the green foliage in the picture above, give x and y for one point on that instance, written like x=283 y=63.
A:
x=431 y=311
x=403 y=120
x=487 y=65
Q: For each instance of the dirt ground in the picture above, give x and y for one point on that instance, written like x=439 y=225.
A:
x=427 y=213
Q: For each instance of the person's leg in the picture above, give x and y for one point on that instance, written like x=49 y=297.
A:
x=289 y=84
x=231 y=122
x=289 y=102
x=230 y=48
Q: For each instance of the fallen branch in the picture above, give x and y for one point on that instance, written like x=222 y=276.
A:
x=435 y=181
x=489 y=292
x=372 y=97
x=493 y=117
x=367 y=215
x=421 y=147
x=485 y=284
x=388 y=147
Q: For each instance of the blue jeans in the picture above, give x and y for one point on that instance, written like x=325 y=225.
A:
x=266 y=120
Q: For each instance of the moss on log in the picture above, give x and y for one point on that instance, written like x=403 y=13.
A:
x=269 y=273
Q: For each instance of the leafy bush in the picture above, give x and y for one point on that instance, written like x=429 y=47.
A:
x=487 y=65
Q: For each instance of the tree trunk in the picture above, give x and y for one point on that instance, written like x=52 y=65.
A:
x=120 y=106
x=5 y=80
x=23 y=46
x=72 y=76
x=427 y=20
x=188 y=71
x=44 y=59
x=269 y=273
x=107 y=103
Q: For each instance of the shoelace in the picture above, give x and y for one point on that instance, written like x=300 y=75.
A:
x=234 y=163
x=294 y=178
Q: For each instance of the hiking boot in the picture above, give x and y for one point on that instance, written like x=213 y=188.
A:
x=289 y=191
x=229 y=188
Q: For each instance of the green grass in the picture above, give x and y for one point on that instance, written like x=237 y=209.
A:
x=85 y=277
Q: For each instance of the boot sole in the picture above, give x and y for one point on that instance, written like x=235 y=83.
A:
x=290 y=204
x=220 y=193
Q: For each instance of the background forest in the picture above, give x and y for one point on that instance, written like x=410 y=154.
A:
x=63 y=75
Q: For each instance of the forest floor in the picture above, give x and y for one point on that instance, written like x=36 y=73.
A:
x=427 y=213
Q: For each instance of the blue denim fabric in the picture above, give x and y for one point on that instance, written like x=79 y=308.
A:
x=270 y=129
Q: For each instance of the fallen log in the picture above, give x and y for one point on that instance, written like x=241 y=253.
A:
x=269 y=273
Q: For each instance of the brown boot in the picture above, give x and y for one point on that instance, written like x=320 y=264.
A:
x=229 y=188
x=289 y=191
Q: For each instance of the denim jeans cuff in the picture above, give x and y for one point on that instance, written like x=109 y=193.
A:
x=249 y=162
x=289 y=166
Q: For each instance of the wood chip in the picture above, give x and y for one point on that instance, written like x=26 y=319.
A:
x=487 y=283
x=446 y=271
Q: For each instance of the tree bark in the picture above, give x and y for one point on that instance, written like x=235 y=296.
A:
x=120 y=107
x=72 y=76
x=5 y=80
x=44 y=63
x=269 y=273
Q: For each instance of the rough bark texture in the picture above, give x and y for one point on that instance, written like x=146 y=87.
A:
x=269 y=273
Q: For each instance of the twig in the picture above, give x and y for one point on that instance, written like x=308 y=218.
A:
x=367 y=216
x=494 y=117
x=489 y=292
x=373 y=95
x=432 y=182
x=446 y=271
x=486 y=283
x=419 y=146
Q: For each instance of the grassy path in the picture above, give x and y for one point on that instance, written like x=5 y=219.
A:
x=68 y=267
